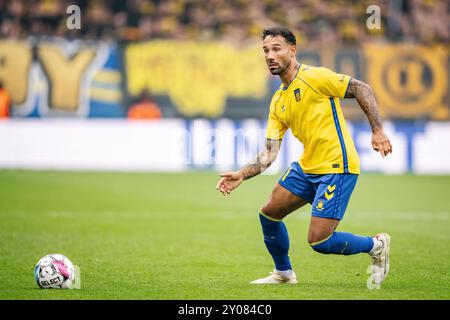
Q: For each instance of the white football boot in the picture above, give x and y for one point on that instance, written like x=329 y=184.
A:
x=380 y=258
x=276 y=277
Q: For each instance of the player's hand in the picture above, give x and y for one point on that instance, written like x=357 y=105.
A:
x=229 y=181
x=381 y=143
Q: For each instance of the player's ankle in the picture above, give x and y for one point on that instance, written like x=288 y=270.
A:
x=285 y=273
x=377 y=244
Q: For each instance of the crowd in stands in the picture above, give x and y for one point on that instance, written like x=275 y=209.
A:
x=333 y=22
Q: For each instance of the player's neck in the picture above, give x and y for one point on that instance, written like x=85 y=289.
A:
x=289 y=74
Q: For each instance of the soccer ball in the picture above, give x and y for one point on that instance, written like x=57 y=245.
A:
x=54 y=271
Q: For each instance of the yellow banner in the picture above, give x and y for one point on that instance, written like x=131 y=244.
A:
x=409 y=80
x=198 y=77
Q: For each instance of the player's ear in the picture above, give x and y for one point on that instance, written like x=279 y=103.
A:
x=293 y=51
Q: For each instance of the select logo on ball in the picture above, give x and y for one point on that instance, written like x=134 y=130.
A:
x=56 y=271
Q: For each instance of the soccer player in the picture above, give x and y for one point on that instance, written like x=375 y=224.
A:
x=307 y=102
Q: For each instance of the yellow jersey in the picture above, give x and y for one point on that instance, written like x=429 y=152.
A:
x=309 y=106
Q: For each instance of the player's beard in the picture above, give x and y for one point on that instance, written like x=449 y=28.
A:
x=277 y=69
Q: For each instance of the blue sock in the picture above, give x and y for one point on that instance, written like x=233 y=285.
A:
x=344 y=243
x=277 y=242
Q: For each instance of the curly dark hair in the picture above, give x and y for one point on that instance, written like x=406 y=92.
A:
x=280 y=31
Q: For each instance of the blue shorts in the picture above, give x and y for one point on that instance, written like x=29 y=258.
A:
x=328 y=193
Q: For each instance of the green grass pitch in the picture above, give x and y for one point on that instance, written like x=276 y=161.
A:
x=173 y=236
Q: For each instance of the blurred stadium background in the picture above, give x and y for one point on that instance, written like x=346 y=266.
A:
x=182 y=86
x=203 y=76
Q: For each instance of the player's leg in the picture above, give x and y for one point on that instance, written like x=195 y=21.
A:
x=323 y=238
x=281 y=202
x=276 y=238
x=320 y=229
x=329 y=206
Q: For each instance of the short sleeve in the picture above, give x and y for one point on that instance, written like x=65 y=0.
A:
x=330 y=83
x=275 y=128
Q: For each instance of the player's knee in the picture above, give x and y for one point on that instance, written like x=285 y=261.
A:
x=271 y=213
x=314 y=239
x=315 y=236
x=319 y=243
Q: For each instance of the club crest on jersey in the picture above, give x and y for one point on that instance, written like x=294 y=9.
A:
x=283 y=108
x=297 y=94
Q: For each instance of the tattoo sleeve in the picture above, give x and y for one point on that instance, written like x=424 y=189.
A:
x=263 y=160
x=366 y=99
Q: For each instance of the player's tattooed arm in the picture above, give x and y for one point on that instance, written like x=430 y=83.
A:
x=363 y=94
x=263 y=160
x=232 y=179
